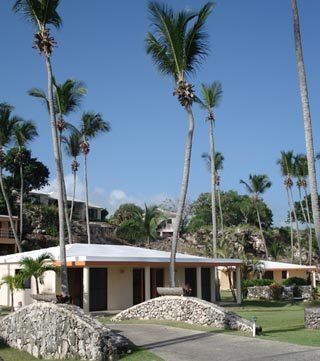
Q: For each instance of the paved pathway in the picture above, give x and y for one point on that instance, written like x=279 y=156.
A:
x=176 y=344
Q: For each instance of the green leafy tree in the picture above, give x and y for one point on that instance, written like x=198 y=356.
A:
x=13 y=283
x=43 y=14
x=177 y=45
x=8 y=123
x=307 y=121
x=301 y=173
x=91 y=125
x=276 y=250
x=256 y=186
x=131 y=230
x=72 y=149
x=286 y=163
x=23 y=133
x=126 y=212
x=37 y=268
x=211 y=97
x=219 y=158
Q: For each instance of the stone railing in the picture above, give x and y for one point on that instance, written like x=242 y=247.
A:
x=312 y=317
x=287 y=293
x=185 y=309
x=55 y=331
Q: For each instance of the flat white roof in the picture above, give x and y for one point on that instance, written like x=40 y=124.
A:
x=80 y=252
x=271 y=265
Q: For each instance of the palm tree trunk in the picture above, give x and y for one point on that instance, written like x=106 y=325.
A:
x=182 y=198
x=12 y=301
x=261 y=231
x=63 y=259
x=21 y=202
x=87 y=198
x=291 y=225
x=213 y=191
x=231 y=284
x=307 y=122
x=301 y=207
x=310 y=226
x=220 y=211
x=296 y=222
x=73 y=194
x=6 y=199
x=37 y=285
x=64 y=195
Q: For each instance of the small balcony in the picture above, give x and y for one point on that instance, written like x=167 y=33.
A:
x=6 y=234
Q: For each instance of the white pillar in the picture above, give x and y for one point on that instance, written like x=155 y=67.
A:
x=213 y=284
x=86 y=289
x=199 y=283
x=147 y=291
x=238 y=280
x=314 y=281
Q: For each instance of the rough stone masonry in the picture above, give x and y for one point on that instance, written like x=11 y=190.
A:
x=186 y=309
x=56 y=331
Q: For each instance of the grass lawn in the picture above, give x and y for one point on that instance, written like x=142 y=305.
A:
x=280 y=321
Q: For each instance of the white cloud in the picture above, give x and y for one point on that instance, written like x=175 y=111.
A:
x=99 y=196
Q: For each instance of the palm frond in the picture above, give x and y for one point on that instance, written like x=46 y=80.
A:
x=72 y=144
x=258 y=183
x=7 y=123
x=211 y=95
x=300 y=166
x=92 y=124
x=24 y=132
x=40 y=94
x=39 y=12
x=286 y=163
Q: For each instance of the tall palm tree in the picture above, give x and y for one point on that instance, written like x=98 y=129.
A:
x=67 y=99
x=177 y=45
x=23 y=133
x=301 y=173
x=219 y=158
x=256 y=186
x=13 y=283
x=72 y=148
x=37 y=268
x=286 y=163
x=91 y=125
x=42 y=14
x=8 y=123
x=211 y=97
x=307 y=122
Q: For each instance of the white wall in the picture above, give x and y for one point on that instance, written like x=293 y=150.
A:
x=120 y=292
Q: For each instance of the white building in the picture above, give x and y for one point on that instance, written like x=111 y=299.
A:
x=165 y=227
x=110 y=277
x=79 y=210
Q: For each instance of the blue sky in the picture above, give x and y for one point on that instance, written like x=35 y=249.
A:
x=102 y=43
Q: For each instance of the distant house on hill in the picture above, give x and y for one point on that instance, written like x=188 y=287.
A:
x=7 y=241
x=96 y=213
x=165 y=227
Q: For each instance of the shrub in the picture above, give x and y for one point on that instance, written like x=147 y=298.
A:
x=255 y=282
x=295 y=281
x=276 y=291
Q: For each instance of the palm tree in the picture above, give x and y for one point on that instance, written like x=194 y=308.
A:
x=37 y=268
x=219 y=158
x=67 y=99
x=23 y=133
x=307 y=122
x=92 y=124
x=301 y=172
x=8 y=123
x=286 y=163
x=211 y=97
x=43 y=14
x=72 y=148
x=256 y=186
x=13 y=283
x=276 y=250
x=177 y=46
x=149 y=220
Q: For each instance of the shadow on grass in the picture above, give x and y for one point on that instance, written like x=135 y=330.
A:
x=282 y=330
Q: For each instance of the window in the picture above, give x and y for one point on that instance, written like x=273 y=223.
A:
x=169 y=221
x=284 y=275
x=27 y=281
x=268 y=275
